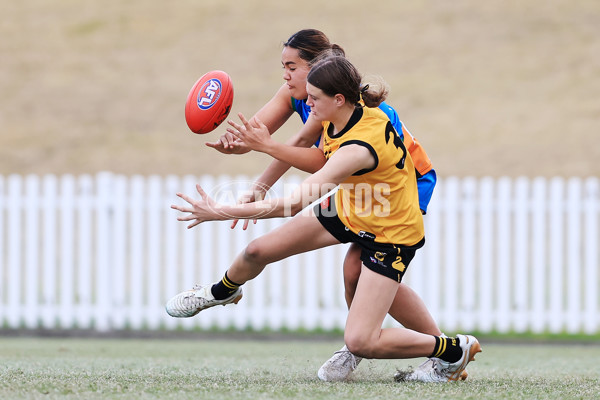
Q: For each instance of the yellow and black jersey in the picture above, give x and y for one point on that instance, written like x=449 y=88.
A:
x=381 y=203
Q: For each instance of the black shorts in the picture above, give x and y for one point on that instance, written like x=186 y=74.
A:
x=386 y=259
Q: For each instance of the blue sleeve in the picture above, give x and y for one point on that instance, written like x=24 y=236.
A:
x=394 y=118
x=425 y=185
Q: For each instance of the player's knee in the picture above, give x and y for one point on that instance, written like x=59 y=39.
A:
x=359 y=345
x=254 y=251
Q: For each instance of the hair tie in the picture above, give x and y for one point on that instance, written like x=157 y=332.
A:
x=364 y=88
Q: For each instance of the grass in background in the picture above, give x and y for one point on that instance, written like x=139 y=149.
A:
x=250 y=369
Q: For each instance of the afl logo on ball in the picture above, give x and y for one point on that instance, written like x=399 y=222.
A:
x=209 y=94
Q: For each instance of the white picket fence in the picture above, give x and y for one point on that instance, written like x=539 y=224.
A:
x=105 y=252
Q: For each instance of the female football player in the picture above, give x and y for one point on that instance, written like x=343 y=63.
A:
x=299 y=52
x=376 y=208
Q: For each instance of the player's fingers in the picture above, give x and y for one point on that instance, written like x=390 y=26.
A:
x=247 y=222
x=238 y=134
x=234 y=126
x=220 y=147
x=190 y=226
x=219 y=144
x=201 y=191
x=185 y=197
x=234 y=223
x=244 y=121
x=179 y=208
x=259 y=123
x=229 y=138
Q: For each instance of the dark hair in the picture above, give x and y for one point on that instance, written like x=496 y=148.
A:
x=310 y=43
x=336 y=75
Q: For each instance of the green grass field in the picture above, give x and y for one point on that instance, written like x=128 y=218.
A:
x=32 y=368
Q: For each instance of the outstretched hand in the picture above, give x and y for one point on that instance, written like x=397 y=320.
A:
x=228 y=144
x=199 y=211
x=254 y=135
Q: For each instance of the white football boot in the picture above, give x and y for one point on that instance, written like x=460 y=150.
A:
x=339 y=367
x=424 y=373
x=191 y=302
x=437 y=370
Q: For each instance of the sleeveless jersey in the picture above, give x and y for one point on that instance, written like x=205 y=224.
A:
x=381 y=202
x=426 y=176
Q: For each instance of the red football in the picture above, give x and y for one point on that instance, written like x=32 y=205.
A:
x=209 y=102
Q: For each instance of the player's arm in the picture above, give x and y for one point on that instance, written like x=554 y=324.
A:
x=344 y=162
x=426 y=176
x=273 y=114
x=255 y=135
x=417 y=152
x=275 y=170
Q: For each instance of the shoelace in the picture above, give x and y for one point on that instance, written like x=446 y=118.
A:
x=352 y=359
x=441 y=372
x=192 y=301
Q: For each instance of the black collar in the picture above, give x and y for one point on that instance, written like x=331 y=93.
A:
x=354 y=118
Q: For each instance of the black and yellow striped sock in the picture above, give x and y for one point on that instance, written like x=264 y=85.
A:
x=447 y=349
x=225 y=288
